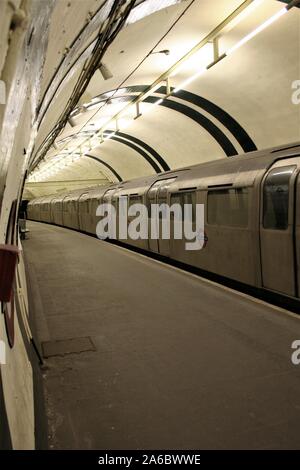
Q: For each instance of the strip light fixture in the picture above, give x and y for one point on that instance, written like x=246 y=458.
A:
x=230 y=51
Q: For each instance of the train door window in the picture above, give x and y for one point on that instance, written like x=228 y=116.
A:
x=94 y=204
x=185 y=198
x=228 y=207
x=189 y=199
x=134 y=199
x=155 y=192
x=176 y=198
x=276 y=198
x=123 y=198
x=162 y=195
x=151 y=196
x=86 y=206
x=161 y=199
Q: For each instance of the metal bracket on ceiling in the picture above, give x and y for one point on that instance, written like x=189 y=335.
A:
x=168 y=86
x=138 y=112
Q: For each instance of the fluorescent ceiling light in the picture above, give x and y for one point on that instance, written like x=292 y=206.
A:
x=257 y=30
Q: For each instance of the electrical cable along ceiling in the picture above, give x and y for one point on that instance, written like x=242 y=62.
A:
x=116 y=18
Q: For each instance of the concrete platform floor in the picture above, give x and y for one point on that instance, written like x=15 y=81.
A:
x=179 y=362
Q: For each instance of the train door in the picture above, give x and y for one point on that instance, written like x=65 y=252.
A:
x=164 y=217
x=297 y=232
x=75 y=214
x=158 y=194
x=277 y=228
x=108 y=198
x=83 y=211
x=153 y=220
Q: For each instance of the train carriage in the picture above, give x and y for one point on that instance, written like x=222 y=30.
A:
x=252 y=215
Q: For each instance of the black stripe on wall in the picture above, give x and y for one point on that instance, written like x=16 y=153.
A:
x=104 y=164
x=146 y=147
x=137 y=149
x=203 y=121
x=287 y=2
x=239 y=133
x=222 y=116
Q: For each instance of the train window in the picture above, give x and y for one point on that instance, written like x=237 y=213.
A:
x=276 y=198
x=175 y=198
x=228 y=207
x=134 y=200
x=190 y=199
x=93 y=205
x=85 y=206
x=183 y=198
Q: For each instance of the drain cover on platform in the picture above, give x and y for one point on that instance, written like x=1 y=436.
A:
x=67 y=346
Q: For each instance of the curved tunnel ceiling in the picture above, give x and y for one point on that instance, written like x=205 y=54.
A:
x=238 y=106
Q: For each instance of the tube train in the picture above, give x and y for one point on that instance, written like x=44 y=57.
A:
x=252 y=215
